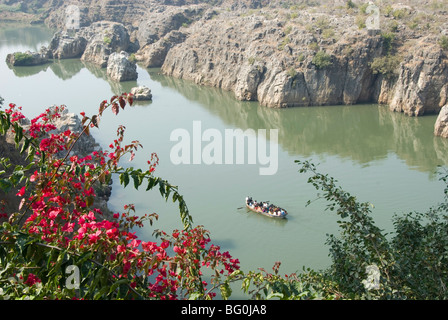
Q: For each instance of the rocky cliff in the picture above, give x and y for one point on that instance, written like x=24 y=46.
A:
x=314 y=59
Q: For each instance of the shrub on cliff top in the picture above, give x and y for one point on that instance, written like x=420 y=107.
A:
x=443 y=42
x=322 y=60
x=386 y=65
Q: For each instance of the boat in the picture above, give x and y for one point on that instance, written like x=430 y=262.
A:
x=258 y=207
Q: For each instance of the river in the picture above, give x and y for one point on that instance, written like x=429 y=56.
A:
x=382 y=157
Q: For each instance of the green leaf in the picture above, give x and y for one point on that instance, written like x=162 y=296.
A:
x=152 y=181
x=5 y=185
x=25 y=145
x=195 y=296
x=137 y=180
x=100 y=293
x=226 y=291
x=117 y=284
x=124 y=178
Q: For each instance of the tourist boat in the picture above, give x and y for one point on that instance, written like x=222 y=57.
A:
x=279 y=212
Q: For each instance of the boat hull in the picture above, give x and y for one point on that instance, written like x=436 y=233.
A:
x=267 y=214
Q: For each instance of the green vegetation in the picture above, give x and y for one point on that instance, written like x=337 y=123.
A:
x=411 y=263
x=107 y=40
x=328 y=33
x=322 y=60
x=284 y=42
x=288 y=30
x=22 y=58
x=399 y=13
x=360 y=22
x=386 y=65
x=443 y=42
x=11 y=8
x=350 y=4
x=388 y=41
x=363 y=8
x=132 y=58
x=314 y=46
x=292 y=73
x=393 y=26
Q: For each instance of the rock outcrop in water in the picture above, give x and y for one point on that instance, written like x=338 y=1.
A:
x=153 y=55
x=27 y=58
x=141 y=93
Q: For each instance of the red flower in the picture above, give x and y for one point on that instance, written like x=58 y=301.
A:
x=21 y=192
x=32 y=279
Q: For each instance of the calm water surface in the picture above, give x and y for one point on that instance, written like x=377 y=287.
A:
x=385 y=158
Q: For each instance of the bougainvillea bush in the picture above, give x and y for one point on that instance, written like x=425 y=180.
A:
x=58 y=245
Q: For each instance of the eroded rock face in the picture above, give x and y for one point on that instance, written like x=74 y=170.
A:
x=113 y=34
x=258 y=59
x=275 y=61
x=97 y=52
x=119 y=68
x=422 y=86
x=163 y=20
x=104 y=38
x=93 y=43
x=64 y=46
x=441 y=126
x=153 y=55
